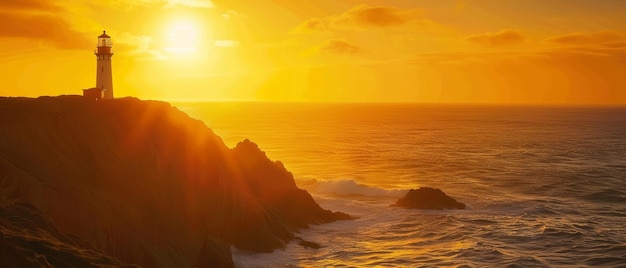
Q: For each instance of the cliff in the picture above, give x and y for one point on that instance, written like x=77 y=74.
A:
x=126 y=181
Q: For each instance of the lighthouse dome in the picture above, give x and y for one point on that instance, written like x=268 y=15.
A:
x=104 y=35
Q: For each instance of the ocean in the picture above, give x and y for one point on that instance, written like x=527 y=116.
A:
x=544 y=186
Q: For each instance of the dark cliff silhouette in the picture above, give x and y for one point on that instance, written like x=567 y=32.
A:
x=130 y=182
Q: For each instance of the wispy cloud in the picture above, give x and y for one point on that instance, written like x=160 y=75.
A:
x=578 y=38
x=500 y=38
x=338 y=46
x=39 y=20
x=227 y=43
x=362 y=17
x=30 y=5
x=132 y=4
x=190 y=3
x=140 y=46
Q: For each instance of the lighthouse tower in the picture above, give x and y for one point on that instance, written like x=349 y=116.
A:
x=104 y=76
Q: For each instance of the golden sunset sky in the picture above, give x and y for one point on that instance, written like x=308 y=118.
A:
x=448 y=51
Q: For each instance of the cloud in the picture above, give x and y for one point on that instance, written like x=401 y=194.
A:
x=378 y=16
x=227 y=43
x=361 y=17
x=566 y=75
x=230 y=14
x=314 y=24
x=19 y=5
x=190 y=3
x=40 y=20
x=132 y=4
x=338 y=46
x=600 y=37
x=134 y=43
x=49 y=28
x=501 y=38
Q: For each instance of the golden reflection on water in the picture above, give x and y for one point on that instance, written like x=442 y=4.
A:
x=531 y=177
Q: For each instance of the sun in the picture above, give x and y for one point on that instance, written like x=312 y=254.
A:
x=182 y=37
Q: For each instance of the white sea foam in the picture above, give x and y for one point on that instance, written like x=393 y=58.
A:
x=351 y=187
x=544 y=186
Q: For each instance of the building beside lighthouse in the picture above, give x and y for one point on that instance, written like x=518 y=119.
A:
x=104 y=74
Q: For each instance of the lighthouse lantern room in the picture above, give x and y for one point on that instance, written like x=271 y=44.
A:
x=104 y=75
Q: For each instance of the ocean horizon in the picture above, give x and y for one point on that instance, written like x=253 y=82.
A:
x=299 y=133
x=544 y=186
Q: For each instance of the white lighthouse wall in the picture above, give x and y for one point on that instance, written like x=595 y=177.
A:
x=104 y=77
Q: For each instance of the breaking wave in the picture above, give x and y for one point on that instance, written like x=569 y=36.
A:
x=351 y=187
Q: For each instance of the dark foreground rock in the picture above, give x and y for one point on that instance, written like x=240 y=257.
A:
x=428 y=198
x=29 y=240
x=127 y=182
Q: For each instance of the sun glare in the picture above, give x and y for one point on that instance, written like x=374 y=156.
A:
x=182 y=37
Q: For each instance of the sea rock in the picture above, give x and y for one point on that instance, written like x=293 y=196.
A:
x=142 y=183
x=307 y=244
x=428 y=198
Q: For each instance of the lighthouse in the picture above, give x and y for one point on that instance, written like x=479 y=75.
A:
x=104 y=76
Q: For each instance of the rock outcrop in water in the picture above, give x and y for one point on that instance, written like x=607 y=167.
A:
x=428 y=198
x=130 y=182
